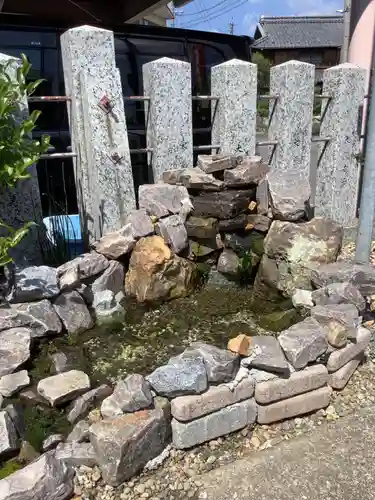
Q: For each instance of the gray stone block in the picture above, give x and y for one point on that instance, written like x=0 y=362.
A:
x=34 y=283
x=46 y=321
x=81 y=406
x=228 y=263
x=338 y=380
x=216 y=163
x=185 y=408
x=76 y=454
x=312 y=377
x=64 y=387
x=73 y=312
x=116 y=244
x=8 y=435
x=292 y=407
x=303 y=343
x=14 y=382
x=222 y=205
x=345 y=314
x=173 y=231
x=361 y=276
x=201 y=227
x=250 y=171
x=339 y=293
x=161 y=200
x=141 y=224
x=229 y=419
x=111 y=279
x=266 y=354
x=339 y=358
x=15 y=349
x=88 y=264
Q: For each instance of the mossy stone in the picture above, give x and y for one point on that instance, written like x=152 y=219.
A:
x=279 y=320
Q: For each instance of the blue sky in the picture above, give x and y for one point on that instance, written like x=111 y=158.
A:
x=216 y=15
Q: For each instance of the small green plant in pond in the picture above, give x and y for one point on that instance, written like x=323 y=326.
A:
x=11 y=240
x=245 y=267
x=41 y=422
x=7 y=468
x=202 y=273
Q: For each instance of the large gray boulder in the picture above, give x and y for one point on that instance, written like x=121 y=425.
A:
x=173 y=231
x=129 y=395
x=179 y=377
x=111 y=279
x=304 y=342
x=361 y=276
x=339 y=293
x=221 y=365
x=87 y=265
x=289 y=193
x=192 y=179
x=161 y=200
x=45 y=478
x=81 y=406
x=266 y=354
x=34 y=283
x=124 y=445
x=46 y=321
x=64 y=387
x=15 y=349
x=250 y=171
x=223 y=204
x=8 y=436
x=73 y=312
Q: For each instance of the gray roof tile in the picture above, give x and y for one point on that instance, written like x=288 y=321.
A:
x=300 y=32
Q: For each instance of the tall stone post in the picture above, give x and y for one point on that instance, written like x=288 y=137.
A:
x=234 y=116
x=291 y=115
x=103 y=171
x=338 y=170
x=167 y=82
x=22 y=204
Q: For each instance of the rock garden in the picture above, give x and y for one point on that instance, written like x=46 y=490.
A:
x=218 y=321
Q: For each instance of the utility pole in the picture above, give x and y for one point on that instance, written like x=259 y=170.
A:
x=367 y=203
x=345 y=46
x=231 y=28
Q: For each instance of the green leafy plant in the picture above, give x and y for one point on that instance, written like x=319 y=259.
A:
x=245 y=267
x=18 y=151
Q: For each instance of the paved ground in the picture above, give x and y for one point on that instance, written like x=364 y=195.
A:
x=334 y=462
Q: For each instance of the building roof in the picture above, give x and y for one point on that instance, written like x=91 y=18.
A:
x=299 y=32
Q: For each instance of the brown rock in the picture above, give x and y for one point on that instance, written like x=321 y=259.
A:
x=337 y=334
x=250 y=171
x=156 y=274
x=240 y=344
x=201 y=227
x=114 y=245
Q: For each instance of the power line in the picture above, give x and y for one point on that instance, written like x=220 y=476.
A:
x=204 y=10
x=194 y=23
x=204 y=18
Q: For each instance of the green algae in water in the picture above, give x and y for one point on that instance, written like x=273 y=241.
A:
x=7 y=468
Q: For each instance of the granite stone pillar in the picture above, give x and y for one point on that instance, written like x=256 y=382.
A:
x=167 y=82
x=22 y=204
x=234 y=120
x=104 y=185
x=338 y=171
x=291 y=119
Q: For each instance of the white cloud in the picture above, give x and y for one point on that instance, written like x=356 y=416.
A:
x=314 y=7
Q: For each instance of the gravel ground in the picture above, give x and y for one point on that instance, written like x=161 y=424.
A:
x=178 y=477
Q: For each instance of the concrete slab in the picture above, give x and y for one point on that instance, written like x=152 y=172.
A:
x=335 y=462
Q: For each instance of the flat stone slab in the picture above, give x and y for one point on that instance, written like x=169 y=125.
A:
x=8 y=435
x=192 y=179
x=73 y=312
x=46 y=321
x=81 y=406
x=52 y=441
x=14 y=382
x=361 y=276
x=161 y=200
x=15 y=349
x=216 y=163
x=338 y=380
x=117 y=243
x=76 y=454
x=345 y=314
x=298 y=405
x=312 y=377
x=221 y=365
x=222 y=205
x=250 y=171
x=185 y=408
x=141 y=223
x=123 y=446
x=339 y=293
x=88 y=265
x=63 y=387
x=35 y=283
x=45 y=478
x=181 y=376
x=201 y=227
x=339 y=358
x=229 y=419
x=235 y=224
x=266 y=354
x=303 y=343
x=129 y=395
